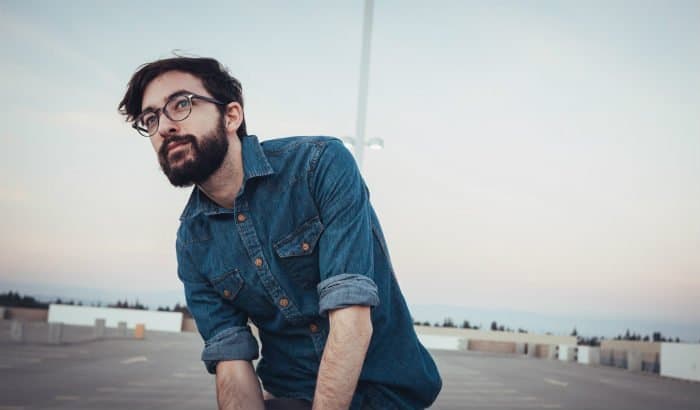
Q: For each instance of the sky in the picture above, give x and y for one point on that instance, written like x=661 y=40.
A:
x=540 y=156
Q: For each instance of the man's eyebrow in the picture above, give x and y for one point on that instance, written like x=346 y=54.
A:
x=178 y=92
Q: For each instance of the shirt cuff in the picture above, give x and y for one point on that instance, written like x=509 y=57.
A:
x=346 y=290
x=235 y=343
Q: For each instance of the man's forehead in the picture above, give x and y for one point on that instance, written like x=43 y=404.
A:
x=168 y=84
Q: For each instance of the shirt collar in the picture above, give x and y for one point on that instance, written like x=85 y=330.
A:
x=255 y=164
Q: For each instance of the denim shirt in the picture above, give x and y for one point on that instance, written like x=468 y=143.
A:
x=301 y=239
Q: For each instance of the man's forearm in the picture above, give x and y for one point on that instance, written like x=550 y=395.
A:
x=237 y=386
x=343 y=357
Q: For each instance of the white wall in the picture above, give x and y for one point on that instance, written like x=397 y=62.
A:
x=680 y=360
x=589 y=355
x=86 y=315
x=567 y=353
x=473 y=334
x=439 y=342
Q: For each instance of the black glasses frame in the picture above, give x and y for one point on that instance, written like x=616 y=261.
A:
x=189 y=96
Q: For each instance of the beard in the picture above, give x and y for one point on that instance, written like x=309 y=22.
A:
x=207 y=156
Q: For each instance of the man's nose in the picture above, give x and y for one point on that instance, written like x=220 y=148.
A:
x=167 y=127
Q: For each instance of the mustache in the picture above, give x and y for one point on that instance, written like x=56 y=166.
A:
x=176 y=139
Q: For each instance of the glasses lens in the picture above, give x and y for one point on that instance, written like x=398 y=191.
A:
x=178 y=108
x=147 y=123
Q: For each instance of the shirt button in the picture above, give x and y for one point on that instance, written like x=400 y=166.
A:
x=313 y=327
x=227 y=293
x=284 y=302
x=241 y=218
x=258 y=262
x=305 y=246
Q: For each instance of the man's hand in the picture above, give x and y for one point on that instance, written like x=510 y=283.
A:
x=343 y=356
x=237 y=386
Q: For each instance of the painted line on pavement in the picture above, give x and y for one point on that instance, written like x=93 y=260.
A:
x=67 y=398
x=556 y=382
x=137 y=359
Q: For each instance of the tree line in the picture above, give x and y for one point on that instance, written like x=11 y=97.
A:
x=14 y=299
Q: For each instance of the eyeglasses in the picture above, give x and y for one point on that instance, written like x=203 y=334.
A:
x=177 y=108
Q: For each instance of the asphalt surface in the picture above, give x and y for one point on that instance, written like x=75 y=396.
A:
x=164 y=372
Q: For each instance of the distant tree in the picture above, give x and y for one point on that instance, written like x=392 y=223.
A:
x=522 y=330
x=646 y=338
x=501 y=328
x=426 y=323
x=14 y=299
x=627 y=335
x=494 y=326
x=678 y=340
x=465 y=325
x=448 y=322
x=656 y=336
x=436 y=324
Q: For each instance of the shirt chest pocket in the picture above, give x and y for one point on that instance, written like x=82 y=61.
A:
x=228 y=285
x=297 y=253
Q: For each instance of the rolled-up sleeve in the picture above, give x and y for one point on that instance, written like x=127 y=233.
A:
x=346 y=259
x=223 y=327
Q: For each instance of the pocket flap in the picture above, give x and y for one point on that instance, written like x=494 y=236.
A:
x=228 y=285
x=302 y=241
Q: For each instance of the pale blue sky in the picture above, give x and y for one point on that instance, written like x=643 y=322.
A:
x=540 y=156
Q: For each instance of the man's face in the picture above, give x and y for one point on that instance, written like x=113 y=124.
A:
x=189 y=151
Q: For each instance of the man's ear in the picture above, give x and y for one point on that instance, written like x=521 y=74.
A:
x=233 y=117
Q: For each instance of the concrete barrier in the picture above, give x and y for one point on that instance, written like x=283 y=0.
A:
x=520 y=348
x=463 y=344
x=589 y=355
x=680 y=360
x=474 y=334
x=531 y=350
x=26 y=314
x=17 y=331
x=567 y=353
x=634 y=361
x=491 y=346
x=650 y=362
x=189 y=325
x=140 y=331
x=86 y=315
x=440 y=342
x=55 y=333
x=121 y=328
x=100 y=328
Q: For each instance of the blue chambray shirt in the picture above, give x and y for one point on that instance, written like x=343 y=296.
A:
x=302 y=239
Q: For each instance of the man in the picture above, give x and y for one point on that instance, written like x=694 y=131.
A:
x=282 y=234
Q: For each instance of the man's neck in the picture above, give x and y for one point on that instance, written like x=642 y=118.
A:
x=223 y=185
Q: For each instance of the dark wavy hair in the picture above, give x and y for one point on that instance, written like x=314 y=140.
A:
x=215 y=77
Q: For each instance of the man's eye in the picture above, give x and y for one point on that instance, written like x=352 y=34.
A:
x=149 y=120
x=182 y=104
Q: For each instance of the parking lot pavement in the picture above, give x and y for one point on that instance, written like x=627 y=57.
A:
x=475 y=380
x=164 y=372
